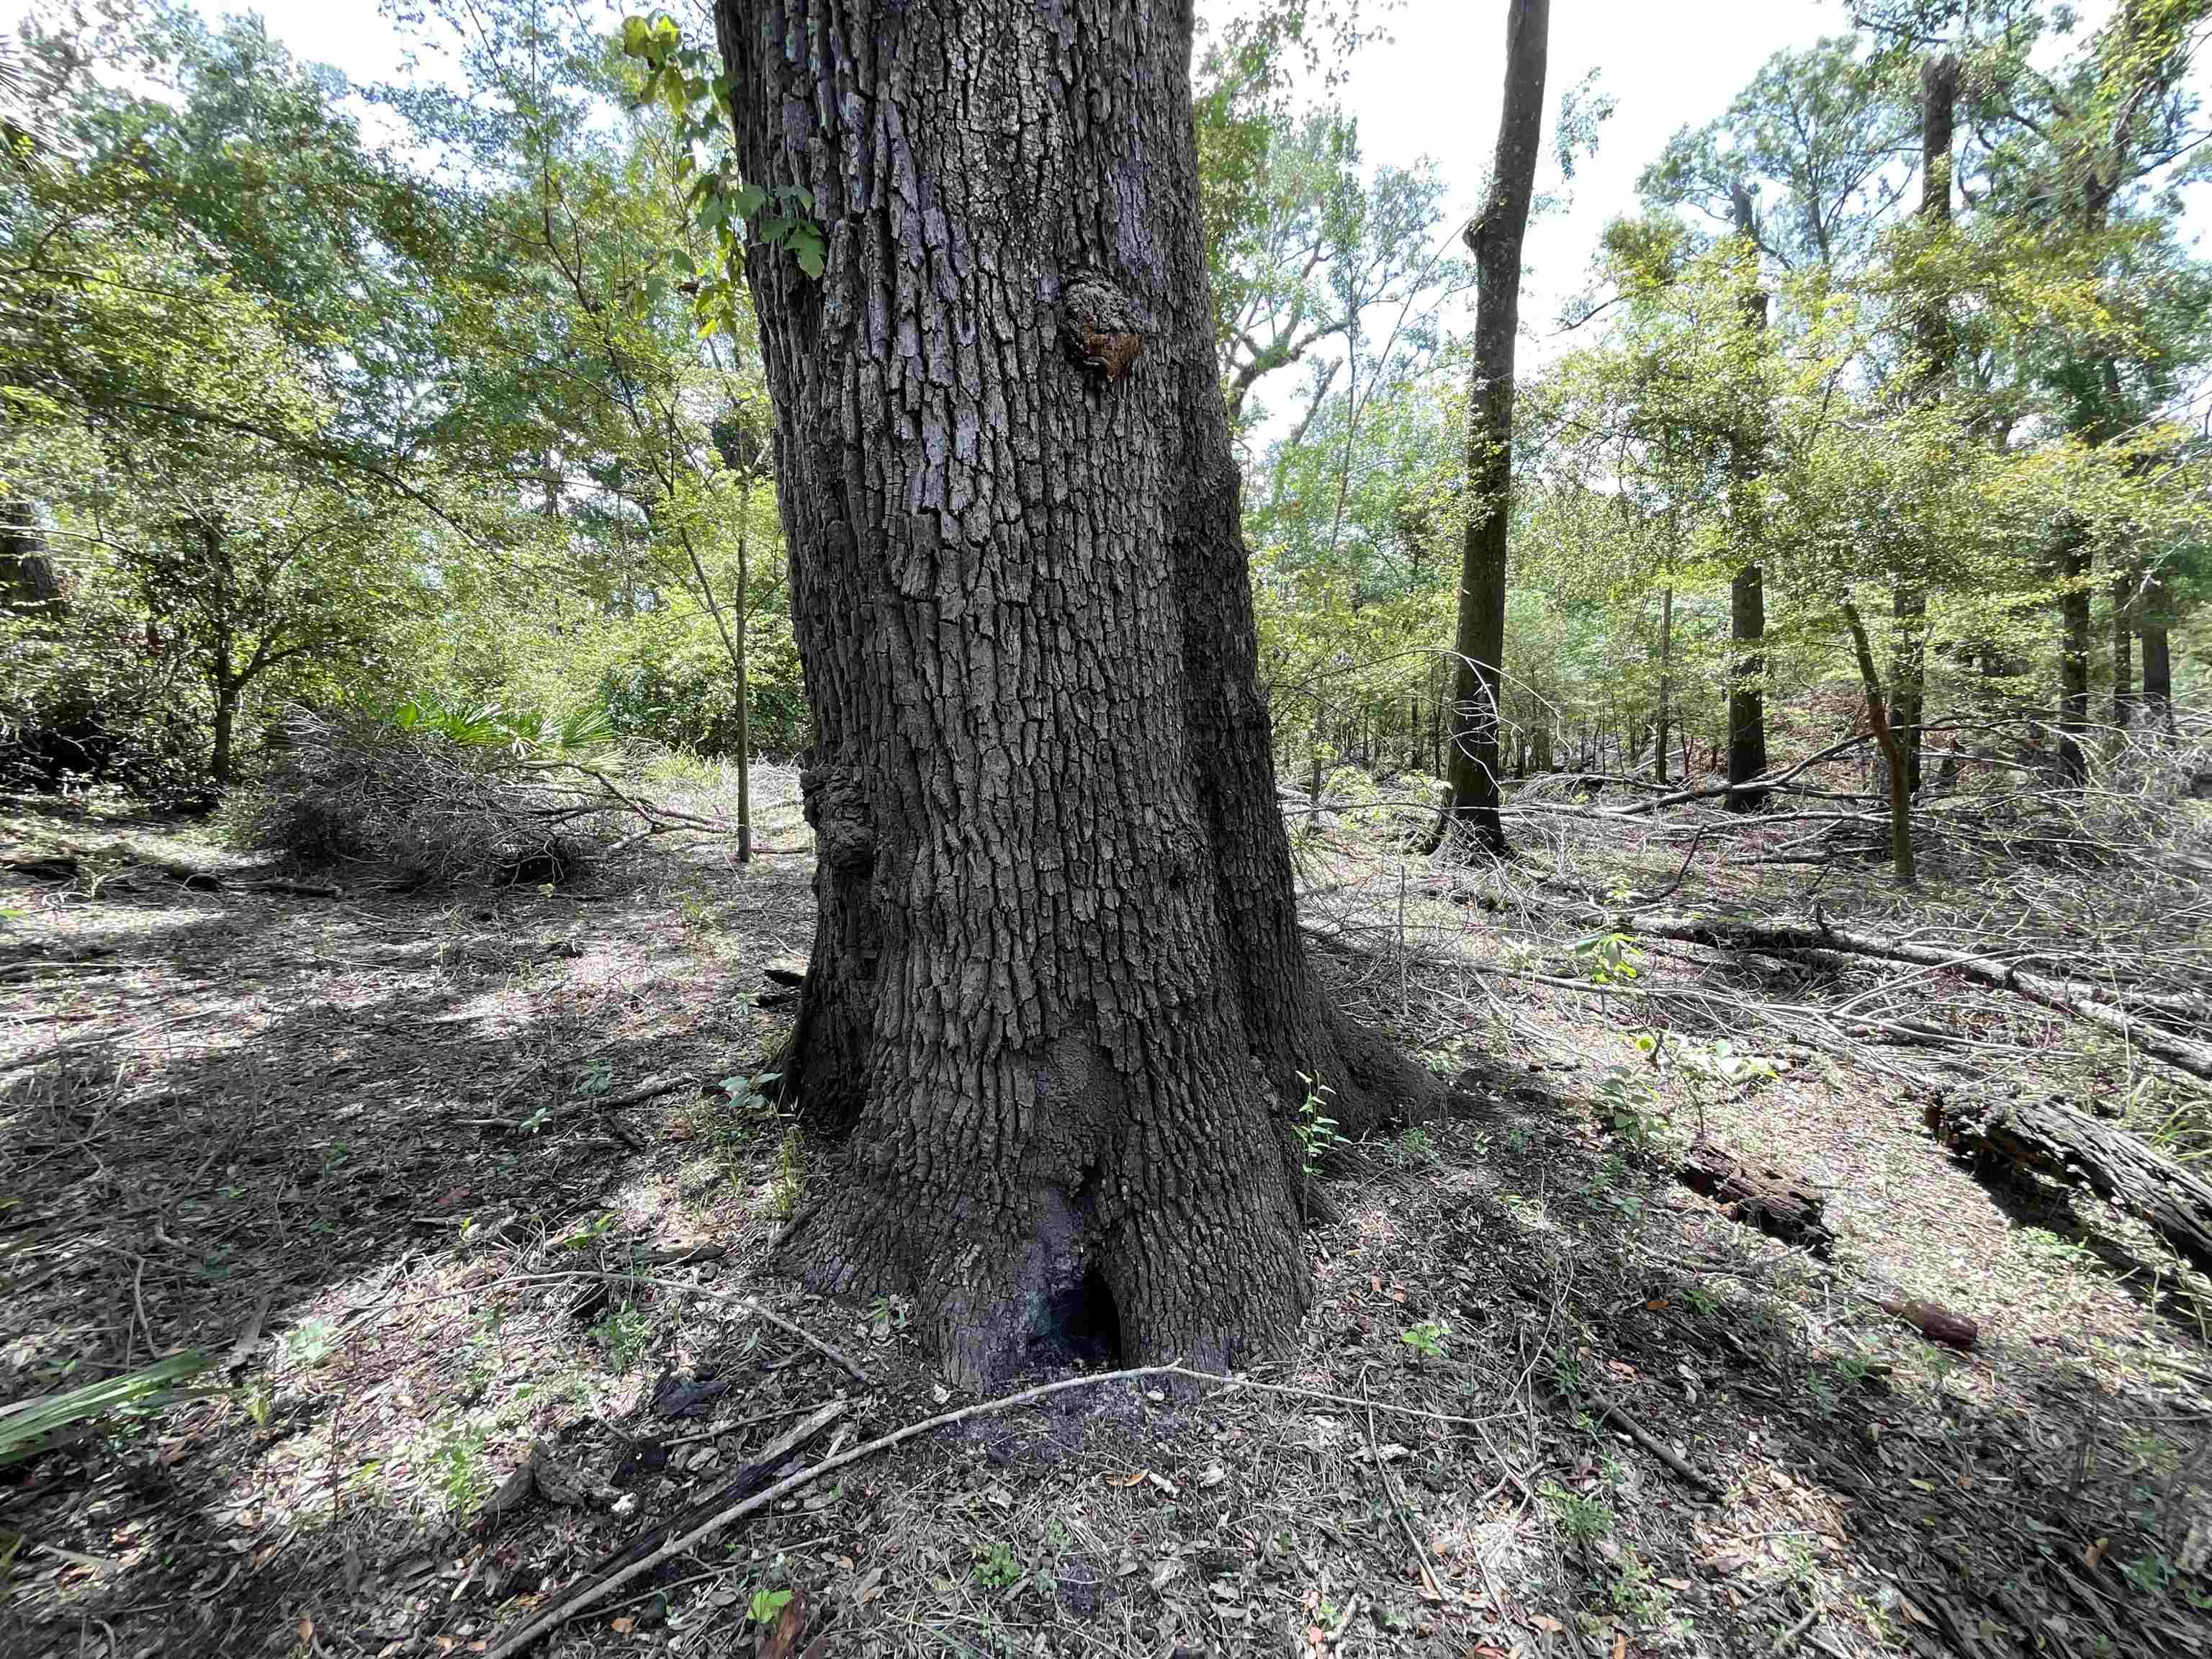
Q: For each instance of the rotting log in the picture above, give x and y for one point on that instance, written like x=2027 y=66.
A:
x=2077 y=1150
x=1768 y=1199
x=1931 y=1319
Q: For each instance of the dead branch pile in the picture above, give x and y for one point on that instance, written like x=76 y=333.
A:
x=352 y=789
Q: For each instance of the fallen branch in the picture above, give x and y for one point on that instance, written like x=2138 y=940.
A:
x=645 y=1551
x=644 y=1091
x=2060 y=995
x=692 y=1536
x=1931 y=1319
x=1436 y=1591
x=838 y=1357
x=1618 y=1414
x=694 y=1533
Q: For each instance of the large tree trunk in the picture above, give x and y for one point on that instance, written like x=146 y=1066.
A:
x=1054 y=1025
x=1939 y=102
x=1496 y=238
x=1747 y=710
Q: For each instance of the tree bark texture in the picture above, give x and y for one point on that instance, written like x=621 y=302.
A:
x=1052 y=1030
x=1496 y=239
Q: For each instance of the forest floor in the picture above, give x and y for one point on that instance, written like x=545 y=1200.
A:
x=367 y=1148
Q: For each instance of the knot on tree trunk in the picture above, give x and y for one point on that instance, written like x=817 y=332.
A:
x=837 y=807
x=1100 y=326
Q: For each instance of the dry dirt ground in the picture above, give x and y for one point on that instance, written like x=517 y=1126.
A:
x=1547 y=1401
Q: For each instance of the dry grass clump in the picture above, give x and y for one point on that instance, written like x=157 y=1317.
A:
x=435 y=801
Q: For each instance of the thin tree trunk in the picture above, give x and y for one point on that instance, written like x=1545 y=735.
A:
x=745 y=679
x=2124 y=589
x=1058 y=1025
x=2073 y=653
x=1747 y=722
x=1893 y=750
x=1939 y=100
x=222 y=757
x=1666 y=651
x=2157 y=675
x=1495 y=239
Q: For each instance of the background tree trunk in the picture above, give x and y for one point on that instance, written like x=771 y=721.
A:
x=1053 y=1027
x=1496 y=238
x=1939 y=103
x=2072 y=564
x=1747 y=703
x=2126 y=587
x=28 y=581
x=1666 y=651
x=221 y=759
x=2157 y=674
x=1747 y=722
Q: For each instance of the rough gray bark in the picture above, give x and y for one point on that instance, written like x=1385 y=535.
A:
x=1939 y=105
x=1495 y=237
x=1057 y=1010
x=1666 y=655
x=1747 y=710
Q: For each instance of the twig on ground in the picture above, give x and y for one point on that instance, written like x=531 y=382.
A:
x=592 y=1594
x=639 y=1096
x=1643 y=1436
x=843 y=1361
x=1787 y=1639
x=1390 y=1491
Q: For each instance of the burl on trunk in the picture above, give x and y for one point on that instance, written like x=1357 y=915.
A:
x=1058 y=1007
